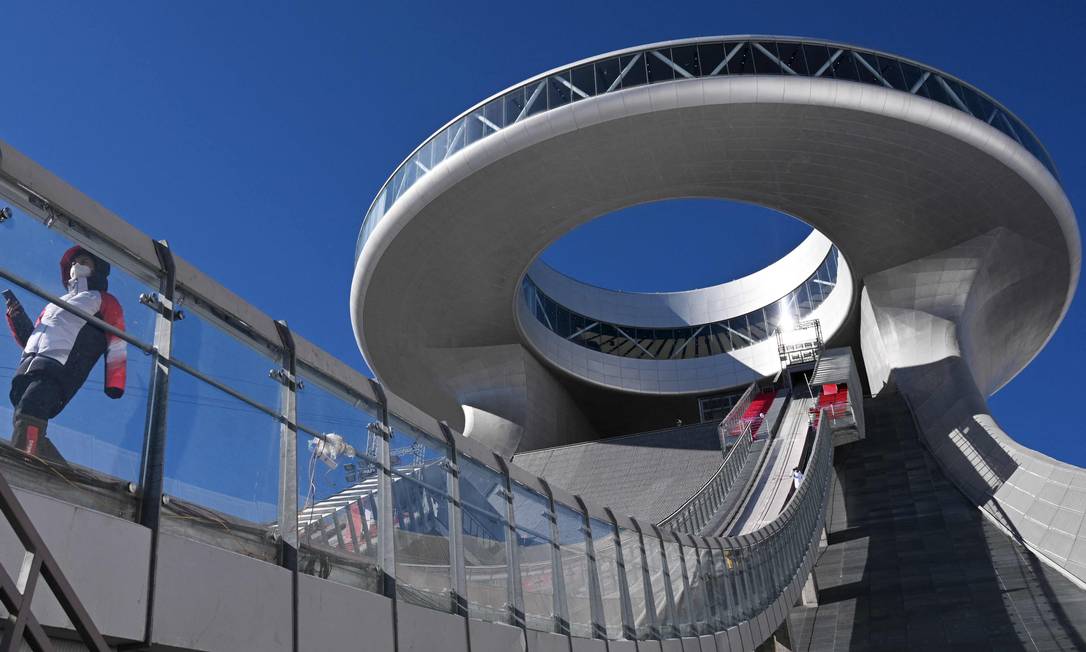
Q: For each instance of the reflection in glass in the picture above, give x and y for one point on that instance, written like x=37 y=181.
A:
x=575 y=570
x=603 y=544
x=531 y=513
x=420 y=505
x=485 y=527
x=635 y=582
x=337 y=500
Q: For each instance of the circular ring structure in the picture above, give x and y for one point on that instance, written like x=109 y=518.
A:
x=958 y=239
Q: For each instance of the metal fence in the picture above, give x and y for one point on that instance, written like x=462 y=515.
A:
x=700 y=509
x=234 y=431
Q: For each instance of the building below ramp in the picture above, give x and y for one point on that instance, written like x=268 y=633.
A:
x=912 y=564
x=646 y=475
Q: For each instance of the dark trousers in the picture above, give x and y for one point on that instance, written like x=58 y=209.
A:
x=41 y=397
x=37 y=395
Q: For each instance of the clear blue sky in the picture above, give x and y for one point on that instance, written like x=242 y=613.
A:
x=253 y=135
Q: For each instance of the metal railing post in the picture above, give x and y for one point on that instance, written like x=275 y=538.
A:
x=646 y=580
x=669 y=592
x=288 y=469
x=688 y=598
x=386 y=530
x=153 y=456
x=514 y=586
x=456 y=524
x=629 y=625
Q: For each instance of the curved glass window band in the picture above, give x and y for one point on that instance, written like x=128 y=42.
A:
x=697 y=341
x=691 y=60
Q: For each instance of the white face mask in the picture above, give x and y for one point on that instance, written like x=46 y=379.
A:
x=79 y=271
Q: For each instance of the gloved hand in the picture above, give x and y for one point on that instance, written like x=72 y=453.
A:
x=11 y=303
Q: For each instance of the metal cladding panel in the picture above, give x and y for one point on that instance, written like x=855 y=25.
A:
x=671 y=645
x=588 y=644
x=544 y=642
x=104 y=558
x=648 y=646
x=622 y=646
x=709 y=644
x=332 y=616
x=424 y=630
x=211 y=599
x=494 y=637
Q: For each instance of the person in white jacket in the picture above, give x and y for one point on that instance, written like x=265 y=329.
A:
x=60 y=349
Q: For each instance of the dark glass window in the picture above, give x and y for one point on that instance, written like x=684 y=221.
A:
x=686 y=57
x=791 y=55
x=475 y=129
x=912 y=75
x=844 y=67
x=891 y=72
x=757 y=325
x=936 y=91
x=514 y=104
x=584 y=79
x=710 y=56
x=634 y=65
x=866 y=66
x=495 y=114
x=739 y=332
x=606 y=74
x=980 y=106
x=659 y=70
x=764 y=64
x=563 y=326
x=816 y=56
x=742 y=62
x=558 y=93
x=535 y=96
x=662 y=344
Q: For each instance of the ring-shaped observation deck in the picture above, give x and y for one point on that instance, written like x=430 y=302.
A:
x=923 y=182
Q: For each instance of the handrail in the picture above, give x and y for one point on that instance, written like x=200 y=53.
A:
x=718 y=480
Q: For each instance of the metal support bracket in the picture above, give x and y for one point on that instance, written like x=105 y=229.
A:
x=161 y=305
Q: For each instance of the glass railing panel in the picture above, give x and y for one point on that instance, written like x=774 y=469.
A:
x=694 y=598
x=485 y=529
x=603 y=544
x=654 y=564
x=79 y=393
x=222 y=441
x=635 y=582
x=337 y=487
x=575 y=569
x=532 y=518
x=420 y=504
x=222 y=465
x=681 y=621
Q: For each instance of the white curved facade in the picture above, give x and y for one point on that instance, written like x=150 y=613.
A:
x=696 y=375
x=962 y=248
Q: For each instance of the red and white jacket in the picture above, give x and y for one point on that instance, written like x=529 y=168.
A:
x=63 y=337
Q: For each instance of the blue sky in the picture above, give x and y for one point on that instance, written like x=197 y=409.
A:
x=253 y=135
